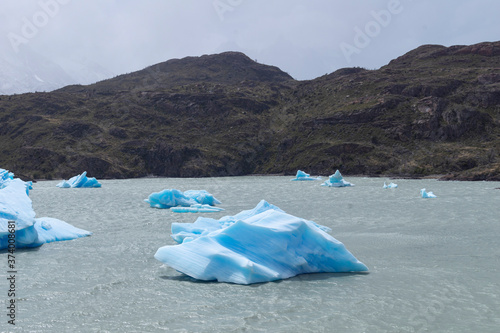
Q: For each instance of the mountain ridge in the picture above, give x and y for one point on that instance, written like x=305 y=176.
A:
x=434 y=110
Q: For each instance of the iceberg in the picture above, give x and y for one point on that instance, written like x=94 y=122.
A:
x=52 y=230
x=259 y=245
x=63 y=184
x=301 y=175
x=184 y=232
x=79 y=181
x=391 y=185
x=336 y=180
x=5 y=175
x=202 y=197
x=172 y=198
x=425 y=194
x=18 y=217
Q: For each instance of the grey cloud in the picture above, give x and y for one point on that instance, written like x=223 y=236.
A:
x=303 y=38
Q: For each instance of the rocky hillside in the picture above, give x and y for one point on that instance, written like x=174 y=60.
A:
x=434 y=110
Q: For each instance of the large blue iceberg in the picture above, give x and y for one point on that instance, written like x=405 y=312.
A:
x=336 y=180
x=79 y=181
x=17 y=217
x=301 y=175
x=172 y=198
x=390 y=185
x=259 y=245
x=426 y=195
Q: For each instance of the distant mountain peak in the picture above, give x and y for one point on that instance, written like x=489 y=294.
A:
x=444 y=54
x=222 y=68
x=226 y=67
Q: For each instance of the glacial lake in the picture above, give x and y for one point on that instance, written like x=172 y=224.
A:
x=434 y=263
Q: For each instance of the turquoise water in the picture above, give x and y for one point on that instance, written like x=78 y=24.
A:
x=433 y=262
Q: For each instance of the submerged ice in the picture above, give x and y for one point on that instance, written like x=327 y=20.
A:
x=336 y=180
x=301 y=175
x=426 y=194
x=79 y=181
x=196 y=208
x=172 y=198
x=259 y=245
x=18 y=217
x=391 y=185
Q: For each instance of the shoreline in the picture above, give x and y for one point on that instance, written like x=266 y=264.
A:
x=439 y=177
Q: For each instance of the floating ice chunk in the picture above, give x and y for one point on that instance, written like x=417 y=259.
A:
x=425 y=194
x=169 y=198
x=336 y=180
x=17 y=216
x=391 y=185
x=53 y=230
x=172 y=198
x=5 y=175
x=182 y=232
x=197 y=208
x=202 y=197
x=79 y=181
x=301 y=175
x=266 y=246
x=15 y=205
x=63 y=184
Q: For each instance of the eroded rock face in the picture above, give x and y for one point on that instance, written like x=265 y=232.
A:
x=437 y=120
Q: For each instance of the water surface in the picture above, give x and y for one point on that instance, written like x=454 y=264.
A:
x=433 y=262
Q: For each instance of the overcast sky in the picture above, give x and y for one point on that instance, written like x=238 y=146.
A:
x=306 y=38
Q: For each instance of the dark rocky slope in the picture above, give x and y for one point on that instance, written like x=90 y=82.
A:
x=434 y=110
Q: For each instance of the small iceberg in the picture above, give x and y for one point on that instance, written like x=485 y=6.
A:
x=301 y=175
x=197 y=208
x=259 y=245
x=425 y=194
x=391 y=185
x=172 y=198
x=80 y=181
x=17 y=218
x=336 y=180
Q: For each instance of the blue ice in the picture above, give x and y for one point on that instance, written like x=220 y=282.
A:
x=259 y=245
x=16 y=206
x=336 y=180
x=301 y=175
x=171 y=198
x=391 y=185
x=196 y=208
x=79 y=181
x=425 y=194
x=5 y=175
x=52 y=230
